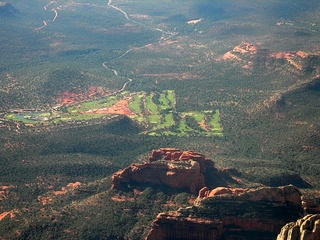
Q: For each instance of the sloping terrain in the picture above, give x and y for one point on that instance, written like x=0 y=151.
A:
x=88 y=88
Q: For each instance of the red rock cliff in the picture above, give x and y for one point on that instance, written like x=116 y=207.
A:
x=173 y=174
x=307 y=228
x=231 y=214
x=167 y=166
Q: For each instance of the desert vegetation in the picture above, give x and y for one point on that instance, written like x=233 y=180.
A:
x=240 y=86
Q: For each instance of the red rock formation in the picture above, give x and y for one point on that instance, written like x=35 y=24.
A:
x=161 y=152
x=167 y=166
x=248 y=55
x=172 y=167
x=307 y=228
x=223 y=190
x=173 y=154
x=279 y=195
x=230 y=214
x=171 y=173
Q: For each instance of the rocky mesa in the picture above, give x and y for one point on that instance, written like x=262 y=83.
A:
x=226 y=213
x=169 y=167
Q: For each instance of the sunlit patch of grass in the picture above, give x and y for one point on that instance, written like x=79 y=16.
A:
x=171 y=97
x=168 y=120
x=183 y=127
x=135 y=105
x=151 y=107
x=154 y=119
x=164 y=102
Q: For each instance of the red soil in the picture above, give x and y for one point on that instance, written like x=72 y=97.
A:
x=284 y=55
x=68 y=98
x=119 y=198
x=121 y=107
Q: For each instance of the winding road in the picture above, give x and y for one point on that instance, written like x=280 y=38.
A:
x=164 y=36
x=53 y=19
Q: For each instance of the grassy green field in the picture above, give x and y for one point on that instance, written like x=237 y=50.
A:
x=151 y=107
x=159 y=117
x=136 y=103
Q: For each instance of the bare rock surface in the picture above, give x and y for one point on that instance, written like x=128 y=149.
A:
x=169 y=167
x=307 y=228
x=226 y=213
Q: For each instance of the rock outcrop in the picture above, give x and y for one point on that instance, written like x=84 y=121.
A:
x=275 y=195
x=251 y=56
x=170 y=173
x=310 y=205
x=170 y=167
x=226 y=213
x=174 y=154
x=307 y=228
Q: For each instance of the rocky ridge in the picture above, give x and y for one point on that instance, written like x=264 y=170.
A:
x=218 y=212
x=226 y=213
x=250 y=56
x=307 y=228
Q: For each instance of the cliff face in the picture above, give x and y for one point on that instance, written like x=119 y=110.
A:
x=173 y=174
x=231 y=214
x=170 y=167
x=307 y=228
x=275 y=195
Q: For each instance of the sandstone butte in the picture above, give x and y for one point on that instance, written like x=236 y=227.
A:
x=225 y=213
x=246 y=55
x=167 y=166
x=307 y=228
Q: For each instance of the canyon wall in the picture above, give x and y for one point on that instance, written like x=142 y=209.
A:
x=231 y=214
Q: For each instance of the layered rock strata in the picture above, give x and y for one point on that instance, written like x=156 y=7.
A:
x=169 y=167
x=307 y=228
x=173 y=174
x=226 y=213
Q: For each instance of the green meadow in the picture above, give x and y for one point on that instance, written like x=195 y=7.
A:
x=156 y=111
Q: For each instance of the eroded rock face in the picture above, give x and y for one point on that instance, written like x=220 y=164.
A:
x=226 y=213
x=174 y=154
x=252 y=56
x=174 y=174
x=167 y=166
x=307 y=228
x=280 y=195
